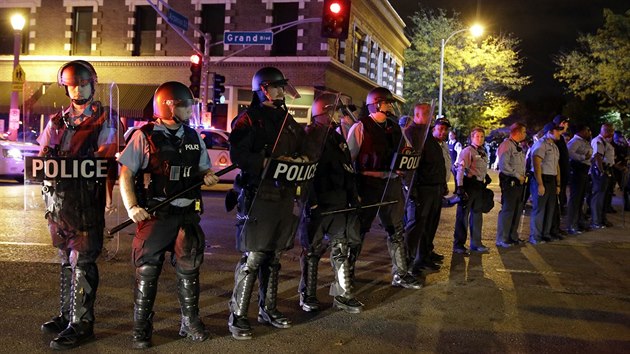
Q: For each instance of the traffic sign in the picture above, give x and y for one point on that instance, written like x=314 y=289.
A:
x=19 y=76
x=14 y=115
x=178 y=20
x=247 y=38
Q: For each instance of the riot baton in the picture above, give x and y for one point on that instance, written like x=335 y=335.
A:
x=362 y=207
x=128 y=222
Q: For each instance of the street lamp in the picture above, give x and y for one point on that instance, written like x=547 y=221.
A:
x=475 y=31
x=17 y=22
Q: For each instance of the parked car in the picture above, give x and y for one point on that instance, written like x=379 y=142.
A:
x=12 y=158
x=218 y=145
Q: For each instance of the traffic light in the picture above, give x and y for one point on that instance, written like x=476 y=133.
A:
x=218 y=88
x=195 y=74
x=336 y=19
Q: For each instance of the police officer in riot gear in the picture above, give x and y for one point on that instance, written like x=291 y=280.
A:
x=76 y=207
x=266 y=224
x=174 y=156
x=333 y=188
x=373 y=141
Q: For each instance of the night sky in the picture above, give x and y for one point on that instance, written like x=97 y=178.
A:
x=544 y=27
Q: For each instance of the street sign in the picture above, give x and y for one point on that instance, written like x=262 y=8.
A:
x=178 y=20
x=19 y=76
x=247 y=38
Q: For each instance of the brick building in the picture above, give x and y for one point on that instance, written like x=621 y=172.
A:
x=131 y=45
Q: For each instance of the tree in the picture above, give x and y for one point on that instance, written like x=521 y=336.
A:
x=478 y=75
x=600 y=66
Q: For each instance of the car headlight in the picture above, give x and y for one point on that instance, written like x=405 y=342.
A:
x=14 y=153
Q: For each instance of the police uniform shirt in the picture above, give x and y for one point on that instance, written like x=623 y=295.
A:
x=52 y=136
x=547 y=150
x=472 y=162
x=604 y=148
x=511 y=159
x=135 y=156
x=447 y=160
x=580 y=150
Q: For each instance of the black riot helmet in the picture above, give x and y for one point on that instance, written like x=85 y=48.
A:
x=169 y=95
x=268 y=76
x=376 y=96
x=265 y=77
x=77 y=73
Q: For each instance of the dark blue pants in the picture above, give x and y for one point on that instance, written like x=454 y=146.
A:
x=600 y=187
x=543 y=208
x=469 y=215
x=511 y=209
x=578 y=180
x=423 y=216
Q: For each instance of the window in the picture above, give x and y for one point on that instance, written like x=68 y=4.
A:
x=213 y=22
x=82 y=31
x=144 y=31
x=357 y=46
x=6 y=31
x=214 y=140
x=285 y=42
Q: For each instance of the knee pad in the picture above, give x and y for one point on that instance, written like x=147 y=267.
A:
x=148 y=270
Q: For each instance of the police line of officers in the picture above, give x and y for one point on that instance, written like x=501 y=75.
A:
x=360 y=174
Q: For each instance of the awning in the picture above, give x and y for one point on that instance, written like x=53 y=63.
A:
x=132 y=99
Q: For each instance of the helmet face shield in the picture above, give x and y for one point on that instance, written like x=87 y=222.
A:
x=187 y=110
x=174 y=99
x=270 y=84
x=290 y=92
x=336 y=106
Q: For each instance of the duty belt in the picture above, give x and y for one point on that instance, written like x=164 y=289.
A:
x=194 y=207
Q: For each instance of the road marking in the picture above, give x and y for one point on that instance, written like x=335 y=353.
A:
x=24 y=243
x=526 y=271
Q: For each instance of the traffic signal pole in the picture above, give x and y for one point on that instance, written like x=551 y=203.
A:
x=205 y=62
x=182 y=24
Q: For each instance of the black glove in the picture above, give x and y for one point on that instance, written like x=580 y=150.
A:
x=356 y=204
x=312 y=212
x=461 y=193
x=488 y=180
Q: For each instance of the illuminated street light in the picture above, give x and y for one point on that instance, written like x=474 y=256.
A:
x=476 y=31
x=17 y=22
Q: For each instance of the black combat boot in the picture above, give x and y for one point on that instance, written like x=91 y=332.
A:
x=188 y=291
x=308 y=283
x=144 y=297
x=268 y=312
x=353 y=255
x=82 y=298
x=59 y=323
x=401 y=278
x=239 y=303
x=342 y=288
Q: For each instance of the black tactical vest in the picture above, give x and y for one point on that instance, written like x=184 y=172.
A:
x=378 y=146
x=173 y=162
x=79 y=204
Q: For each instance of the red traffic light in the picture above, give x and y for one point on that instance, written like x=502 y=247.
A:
x=195 y=59
x=335 y=19
x=335 y=7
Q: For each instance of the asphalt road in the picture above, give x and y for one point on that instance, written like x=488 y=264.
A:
x=565 y=297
